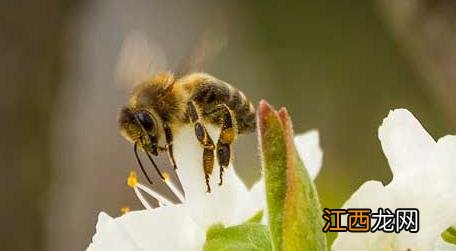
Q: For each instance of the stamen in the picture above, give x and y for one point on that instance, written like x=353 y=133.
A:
x=125 y=210
x=138 y=187
x=142 y=199
x=173 y=188
x=161 y=199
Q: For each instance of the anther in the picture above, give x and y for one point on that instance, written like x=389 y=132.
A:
x=165 y=176
x=132 y=179
x=125 y=210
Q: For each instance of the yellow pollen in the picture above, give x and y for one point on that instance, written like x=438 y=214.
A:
x=132 y=179
x=125 y=210
x=166 y=176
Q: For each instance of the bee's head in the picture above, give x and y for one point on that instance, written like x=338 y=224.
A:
x=140 y=127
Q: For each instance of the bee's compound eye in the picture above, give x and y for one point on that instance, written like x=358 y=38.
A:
x=146 y=121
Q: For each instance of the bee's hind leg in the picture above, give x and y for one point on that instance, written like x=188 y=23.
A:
x=226 y=139
x=205 y=140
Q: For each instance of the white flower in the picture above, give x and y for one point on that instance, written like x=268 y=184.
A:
x=183 y=226
x=424 y=177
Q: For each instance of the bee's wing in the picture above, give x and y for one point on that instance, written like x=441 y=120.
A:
x=139 y=59
x=212 y=40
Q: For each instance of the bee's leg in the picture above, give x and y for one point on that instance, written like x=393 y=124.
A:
x=169 y=144
x=205 y=140
x=208 y=165
x=226 y=139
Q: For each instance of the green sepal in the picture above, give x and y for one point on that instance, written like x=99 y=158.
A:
x=294 y=211
x=245 y=237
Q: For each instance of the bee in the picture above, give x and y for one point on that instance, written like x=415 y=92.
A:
x=160 y=106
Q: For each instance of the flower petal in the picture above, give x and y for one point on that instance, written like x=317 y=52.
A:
x=438 y=201
x=442 y=245
x=230 y=203
x=435 y=202
x=188 y=154
x=170 y=228
x=423 y=178
x=370 y=195
x=224 y=203
x=256 y=203
x=309 y=150
x=405 y=142
x=111 y=236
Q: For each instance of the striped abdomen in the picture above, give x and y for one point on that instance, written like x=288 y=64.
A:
x=209 y=93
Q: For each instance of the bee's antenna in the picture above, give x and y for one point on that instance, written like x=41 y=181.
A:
x=135 y=149
x=155 y=166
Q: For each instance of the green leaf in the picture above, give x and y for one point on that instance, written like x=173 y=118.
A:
x=450 y=235
x=256 y=218
x=294 y=210
x=245 y=237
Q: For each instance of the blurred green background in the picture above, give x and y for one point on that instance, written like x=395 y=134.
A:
x=338 y=66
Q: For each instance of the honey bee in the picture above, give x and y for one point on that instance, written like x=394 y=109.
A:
x=160 y=106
